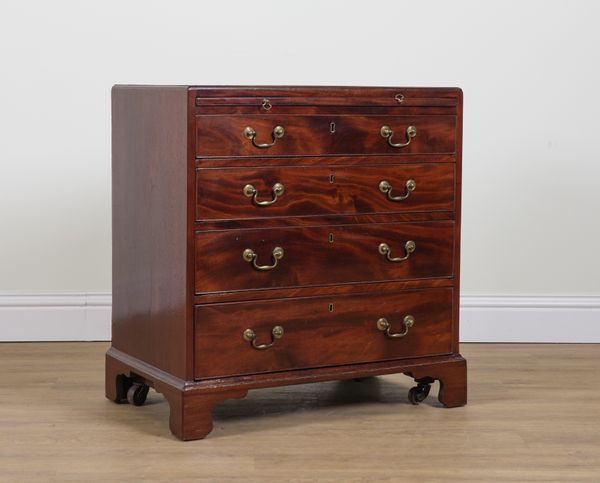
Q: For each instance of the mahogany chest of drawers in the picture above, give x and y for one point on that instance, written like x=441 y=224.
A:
x=265 y=236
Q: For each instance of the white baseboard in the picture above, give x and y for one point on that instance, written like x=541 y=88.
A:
x=530 y=318
x=484 y=318
x=54 y=317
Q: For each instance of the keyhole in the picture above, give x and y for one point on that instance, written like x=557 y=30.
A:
x=331 y=238
x=331 y=178
x=332 y=127
x=330 y=307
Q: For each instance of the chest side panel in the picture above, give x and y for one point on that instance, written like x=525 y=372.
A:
x=150 y=315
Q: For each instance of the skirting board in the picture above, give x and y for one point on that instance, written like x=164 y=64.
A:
x=55 y=317
x=484 y=318
x=530 y=318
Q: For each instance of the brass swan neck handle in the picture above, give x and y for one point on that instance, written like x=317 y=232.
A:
x=250 y=336
x=386 y=187
x=409 y=247
x=251 y=192
x=278 y=132
x=384 y=326
x=250 y=256
x=387 y=133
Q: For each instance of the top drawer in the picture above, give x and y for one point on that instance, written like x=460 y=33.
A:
x=299 y=135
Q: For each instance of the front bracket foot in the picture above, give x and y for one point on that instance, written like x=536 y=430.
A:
x=191 y=410
x=453 y=382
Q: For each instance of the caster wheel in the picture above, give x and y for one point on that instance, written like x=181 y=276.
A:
x=137 y=393
x=418 y=393
x=123 y=385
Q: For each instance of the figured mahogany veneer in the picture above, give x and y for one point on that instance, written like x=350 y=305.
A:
x=221 y=135
x=310 y=191
x=323 y=255
x=198 y=320
x=320 y=331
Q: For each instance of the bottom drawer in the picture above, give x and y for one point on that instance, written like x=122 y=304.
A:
x=320 y=331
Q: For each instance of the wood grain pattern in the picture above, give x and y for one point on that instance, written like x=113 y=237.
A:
x=361 y=92
x=149 y=205
x=520 y=425
x=326 y=190
x=191 y=402
x=349 y=288
x=320 y=331
x=180 y=282
x=322 y=220
x=324 y=110
x=320 y=161
x=311 y=259
x=191 y=412
x=275 y=102
x=458 y=212
x=310 y=135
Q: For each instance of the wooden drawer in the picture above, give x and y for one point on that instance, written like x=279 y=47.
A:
x=321 y=255
x=320 y=331
x=224 y=135
x=271 y=99
x=221 y=195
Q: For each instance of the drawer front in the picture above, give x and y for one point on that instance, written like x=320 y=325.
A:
x=222 y=135
x=323 y=255
x=320 y=331
x=241 y=193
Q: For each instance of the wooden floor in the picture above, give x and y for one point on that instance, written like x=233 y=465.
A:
x=533 y=415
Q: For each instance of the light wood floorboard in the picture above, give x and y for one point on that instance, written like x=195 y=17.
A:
x=533 y=415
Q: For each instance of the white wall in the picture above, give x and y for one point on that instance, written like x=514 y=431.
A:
x=530 y=72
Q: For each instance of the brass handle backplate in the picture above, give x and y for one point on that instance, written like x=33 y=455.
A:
x=251 y=192
x=250 y=256
x=409 y=247
x=250 y=336
x=386 y=132
x=386 y=187
x=384 y=326
x=278 y=132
